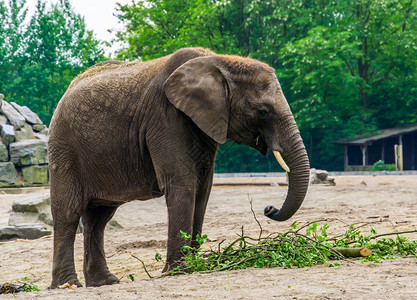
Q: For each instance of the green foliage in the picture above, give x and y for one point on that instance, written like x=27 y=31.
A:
x=158 y=256
x=38 y=60
x=381 y=166
x=28 y=285
x=291 y=249
x=384 y=248
x=130 y=277
x=159 y=27
x=25 y=285
x=232 y=157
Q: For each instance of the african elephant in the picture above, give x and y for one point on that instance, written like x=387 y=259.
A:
x=139 y=130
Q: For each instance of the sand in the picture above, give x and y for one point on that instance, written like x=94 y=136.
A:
x=388 y=203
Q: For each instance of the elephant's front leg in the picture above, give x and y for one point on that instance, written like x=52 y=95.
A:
x=180 y=202
x=95 y=267
x=202 y=197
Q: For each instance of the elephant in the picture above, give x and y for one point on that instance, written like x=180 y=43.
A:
x=127 y=131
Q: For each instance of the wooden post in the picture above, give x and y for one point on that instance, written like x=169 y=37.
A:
x=363 y=149
x=398 y=149
x=383 y=151
x=346 y=157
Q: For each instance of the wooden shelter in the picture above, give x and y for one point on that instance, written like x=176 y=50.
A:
x=363 y=151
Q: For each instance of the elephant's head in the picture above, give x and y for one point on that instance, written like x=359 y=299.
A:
x=241 y=99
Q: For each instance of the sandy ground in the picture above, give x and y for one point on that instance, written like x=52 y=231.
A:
x=388 y=201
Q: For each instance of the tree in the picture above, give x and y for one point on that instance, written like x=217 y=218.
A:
x=12 y=36
x=159 y=27
x=352 y=74
x=45 y=55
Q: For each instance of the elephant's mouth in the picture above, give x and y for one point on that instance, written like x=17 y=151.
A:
x=260 y=145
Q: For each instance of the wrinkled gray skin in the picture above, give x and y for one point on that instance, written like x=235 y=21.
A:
x=139 y=130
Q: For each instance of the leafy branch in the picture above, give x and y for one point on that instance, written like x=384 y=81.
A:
x=293 y=248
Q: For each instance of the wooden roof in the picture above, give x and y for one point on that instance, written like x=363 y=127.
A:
x=380 y=135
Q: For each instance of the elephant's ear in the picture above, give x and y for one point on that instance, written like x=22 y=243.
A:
x=199 y=89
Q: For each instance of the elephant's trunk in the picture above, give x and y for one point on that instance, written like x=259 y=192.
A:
x=297 y=160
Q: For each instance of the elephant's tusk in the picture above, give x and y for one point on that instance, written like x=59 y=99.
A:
x=281 y=160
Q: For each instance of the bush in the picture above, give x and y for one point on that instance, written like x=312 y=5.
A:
x=381 y=166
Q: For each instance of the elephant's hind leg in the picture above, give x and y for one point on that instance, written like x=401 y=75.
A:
x=96 y=272
x=66 y=220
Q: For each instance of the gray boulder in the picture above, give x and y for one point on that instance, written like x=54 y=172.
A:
x=38 y=127
x=29 y=115
x=35 y=174
x=24 y=133
x=322 y=174
x=32 y=210
x=34 y=203
x=320 y=177
x=23 y=145
x=31 y=219
x=23 y=232
x=41 y=136
x=45 y=131
x=3 y=119
x=30 y=152
x=14 y=117
x=7 y=133
x=8 y=173
x=4 y=154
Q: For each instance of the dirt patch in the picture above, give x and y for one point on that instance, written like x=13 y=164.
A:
x=141 y=244
x=388 y=203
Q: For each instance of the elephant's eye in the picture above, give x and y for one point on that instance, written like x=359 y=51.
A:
x=264 y=114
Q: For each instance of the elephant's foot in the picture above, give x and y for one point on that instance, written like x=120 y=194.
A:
x=101 y=279
x=71 y=280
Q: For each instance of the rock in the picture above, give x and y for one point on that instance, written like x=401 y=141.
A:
x=3 y=120
x=45 y=131
x=320 y=177
x=35 y=174
x=41 y=136
x=363 y=183
x=46 y=217
x=35 y=203
x=8 y=135
x=14 y=117
x=330 y=181
x=113 y=224
x=313 y=177
x=322 y=174
x=24 y=133
x=32 y=211
x=30 y=152
x=23 y=146
x=4 y=154
x=8 y=173
x=23 y=232
x=29 y=115
x=38 y=127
